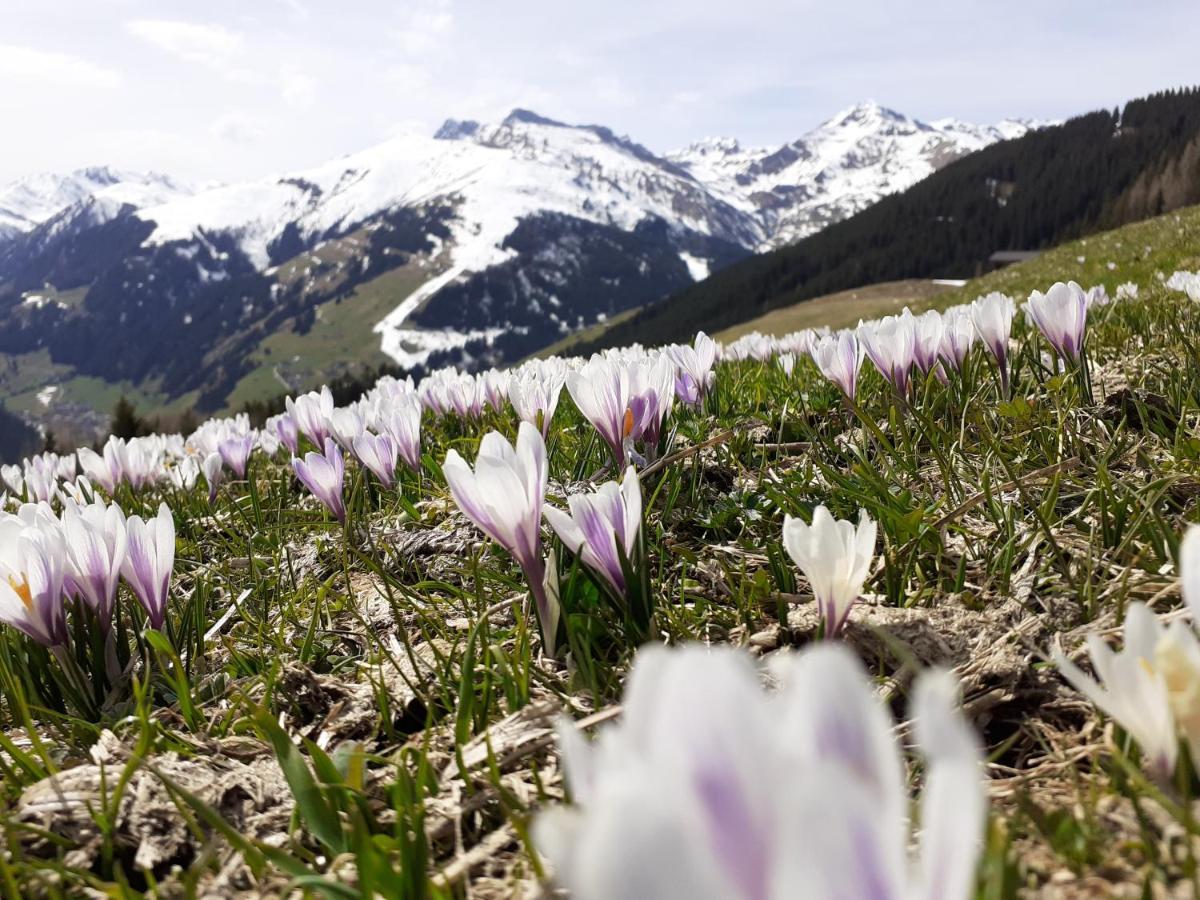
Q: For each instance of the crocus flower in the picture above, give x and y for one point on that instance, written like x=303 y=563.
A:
x=347 y=424
x=839 y=357
x=1060 y=315
x=183 y=473
x=651 y=396
x=534 y=395
x=149 y=559
x=311 y=413
x=599 y=523
x=402 y=420
x=711 y=788
x=504 y=495
x=626 y=402
x=41 y=479
x=694 y=373
x=214 y=474
x=94 y=537
x=287 y=432
x=992 y=316
x=235 y=451
x=928 y=331
x=890 y=343
x=1132 y=691
x=378 y=453
x=958 y=334
x=14 y=477
x=786 y=362
x=323 y=474
x=835 y=557
x=32 y=569
x=99 y=469
x=1151 y=687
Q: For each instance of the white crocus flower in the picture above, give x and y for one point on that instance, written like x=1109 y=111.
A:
x=835 y=556
x=1130 y=688
x=711 y=788
x=1152 y=686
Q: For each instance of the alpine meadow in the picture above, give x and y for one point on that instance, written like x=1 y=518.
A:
x=516 y=509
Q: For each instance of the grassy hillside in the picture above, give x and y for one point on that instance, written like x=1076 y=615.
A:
x=842 y=309
x=1140 y=252
x=1093 y=172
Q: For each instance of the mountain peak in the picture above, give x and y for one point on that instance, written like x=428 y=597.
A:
x=867 y=112
x=528 y=117
x=457 y=130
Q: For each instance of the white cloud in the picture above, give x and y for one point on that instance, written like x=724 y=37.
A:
x=47 y=66
x=425 y=29
x=214 y=46
x=297 y=87
x=238 y=128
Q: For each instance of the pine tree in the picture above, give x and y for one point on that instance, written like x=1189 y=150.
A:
x=125 y=421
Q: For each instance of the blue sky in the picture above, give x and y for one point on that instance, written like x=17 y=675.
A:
x=225 y=90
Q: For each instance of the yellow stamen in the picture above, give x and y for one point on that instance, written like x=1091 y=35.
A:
x=22 y=590
x=627 y=429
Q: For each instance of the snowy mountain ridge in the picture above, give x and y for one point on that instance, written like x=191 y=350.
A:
x=513 y=234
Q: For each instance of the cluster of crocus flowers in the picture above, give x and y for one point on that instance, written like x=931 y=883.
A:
x=324 y=475
x=45 y=559
x=1151 y=687
x=1060 y=315
x=711 y=788
x=835 y=556
x=504 y=495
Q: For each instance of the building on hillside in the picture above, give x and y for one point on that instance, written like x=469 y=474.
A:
x=1002 y=258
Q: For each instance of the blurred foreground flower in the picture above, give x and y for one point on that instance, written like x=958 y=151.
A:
x=835 y=557
x=710 y=788
x=1151 y=688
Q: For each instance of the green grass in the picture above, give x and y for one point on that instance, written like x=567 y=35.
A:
x=341 y=336
x=841 y=310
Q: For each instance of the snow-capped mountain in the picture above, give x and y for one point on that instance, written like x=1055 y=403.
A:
x=487 y=241
x=30 y=201
x=844 y=165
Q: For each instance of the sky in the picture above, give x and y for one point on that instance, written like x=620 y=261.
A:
x=231 y=89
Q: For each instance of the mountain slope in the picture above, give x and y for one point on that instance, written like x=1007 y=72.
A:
x=1051 y=185
x=474 y=247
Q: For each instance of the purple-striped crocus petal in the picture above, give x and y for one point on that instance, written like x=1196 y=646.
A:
x=323 y=475
x=149 y=560
x=235 y=452
x=378 y=453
